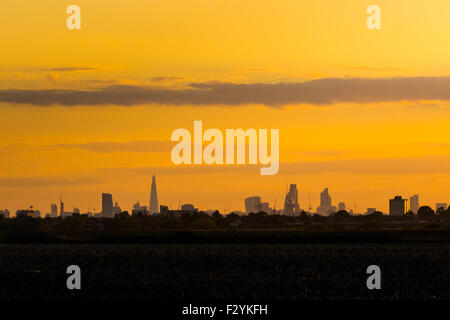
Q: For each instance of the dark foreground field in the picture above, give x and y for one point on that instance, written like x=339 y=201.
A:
x=218 y=271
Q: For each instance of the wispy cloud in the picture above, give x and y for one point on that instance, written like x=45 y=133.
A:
x=158 y=79
x=316 y=92
x=69 y=69
x=46 y=182
x=393 y=166
x=132 y=146
x=142 y=146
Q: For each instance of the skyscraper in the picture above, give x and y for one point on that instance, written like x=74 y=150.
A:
x=397 y=206
x=325 y=198
x=325 y=207
x=291 y=206
x=53 y=210
x=414 y=203
x=154 y=208
x=107 y=205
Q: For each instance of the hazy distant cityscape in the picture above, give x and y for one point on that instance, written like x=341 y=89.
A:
x=398 y=206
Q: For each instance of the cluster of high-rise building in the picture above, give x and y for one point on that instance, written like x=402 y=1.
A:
x=109 y=211
x=291 y=204
x=397 y=206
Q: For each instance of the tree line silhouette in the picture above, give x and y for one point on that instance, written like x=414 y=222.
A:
x=340 y=220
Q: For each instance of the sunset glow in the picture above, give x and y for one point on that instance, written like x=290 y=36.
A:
x=150 y=67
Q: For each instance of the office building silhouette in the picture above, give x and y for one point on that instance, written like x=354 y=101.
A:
x=291 y=206
x=153 y=205
x=414 y=203
x=397 y=206
x=107 y=205
x=325 y=207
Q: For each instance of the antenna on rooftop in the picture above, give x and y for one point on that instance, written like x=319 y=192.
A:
x=309 y=196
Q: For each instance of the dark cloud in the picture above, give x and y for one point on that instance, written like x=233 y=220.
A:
x=318 y=92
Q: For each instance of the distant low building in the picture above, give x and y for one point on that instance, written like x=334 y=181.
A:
x=370 y=211
x=116 y=209
x=138 y=209
x=69 y=213
x=441 y=207
x=163 y=209
x=5 y=213
x=185 y=209
x=254 y=204
x=188 y=207
x=29 y=213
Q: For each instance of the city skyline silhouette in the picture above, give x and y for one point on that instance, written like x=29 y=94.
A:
x=398 y=206
x=363 y=112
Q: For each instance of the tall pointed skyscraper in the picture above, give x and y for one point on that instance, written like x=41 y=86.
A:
x=153 y=206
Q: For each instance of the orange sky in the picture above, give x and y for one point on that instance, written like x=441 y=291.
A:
x=364 y=149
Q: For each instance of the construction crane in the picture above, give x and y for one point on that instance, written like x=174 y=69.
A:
x=61 y=204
